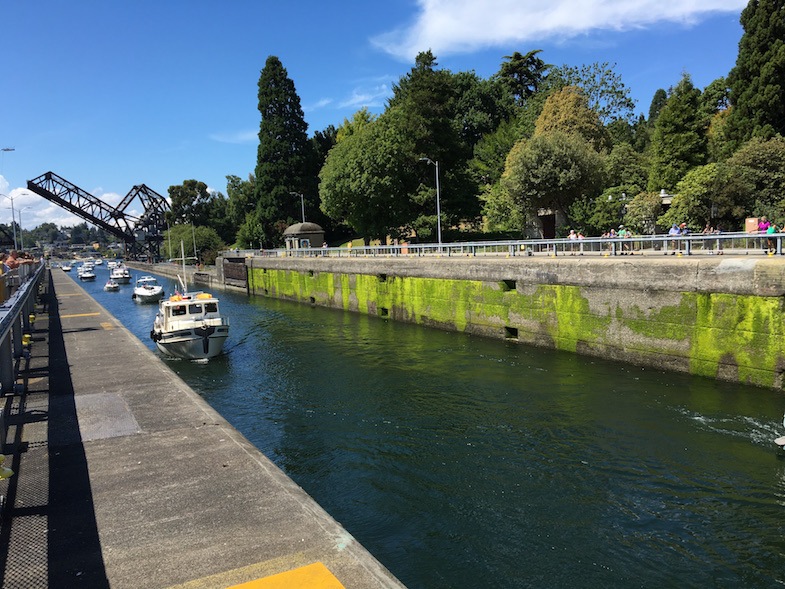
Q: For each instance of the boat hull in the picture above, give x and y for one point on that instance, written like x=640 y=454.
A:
x=192 y=344
x=148 y=297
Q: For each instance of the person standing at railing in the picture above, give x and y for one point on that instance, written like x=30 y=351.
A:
x=674 y=231
x=14 y=260
x=770 y=230
x=763 y=227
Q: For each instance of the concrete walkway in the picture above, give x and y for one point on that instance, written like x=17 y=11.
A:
x=125 y=477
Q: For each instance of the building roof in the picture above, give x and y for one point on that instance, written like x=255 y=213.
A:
x=300 y=228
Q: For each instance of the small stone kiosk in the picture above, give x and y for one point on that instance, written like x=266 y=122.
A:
x=303 y=236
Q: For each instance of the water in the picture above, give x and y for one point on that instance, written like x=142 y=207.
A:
x=464 y=462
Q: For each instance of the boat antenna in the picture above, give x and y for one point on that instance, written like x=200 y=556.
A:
x=182 y=279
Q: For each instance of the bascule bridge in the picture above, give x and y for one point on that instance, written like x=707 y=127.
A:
x=142 y=235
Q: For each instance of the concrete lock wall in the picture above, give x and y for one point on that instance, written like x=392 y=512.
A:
x=720 y=318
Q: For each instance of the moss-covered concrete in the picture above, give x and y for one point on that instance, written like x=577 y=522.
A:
x=721 y=321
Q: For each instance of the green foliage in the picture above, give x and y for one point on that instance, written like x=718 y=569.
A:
x=367 y=176
x=755 y=180
x=567 y=111
x=283 y=156
x=500 y=212
x=189 y=203
x=643 y=211
x=241 y=199
x=490 y=153
x=626 y=167
x=208 y=243
x=679 y=140
x=757 y=81
x=551 y=171
x=658 y=101
x=604 y=212
x=718 y=140
x=522 y=75
x=606 y=93
x=697 y=201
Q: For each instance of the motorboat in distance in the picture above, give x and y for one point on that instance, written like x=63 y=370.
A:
x=147 y=290
x=120 y=274
x=111 y=286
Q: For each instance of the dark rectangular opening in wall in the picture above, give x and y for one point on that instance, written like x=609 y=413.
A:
x=312 y=299
x=310 y=272
x=384 y=312
x=511 y=332
x=382 y=277
x=508 y=285
x=266 y=291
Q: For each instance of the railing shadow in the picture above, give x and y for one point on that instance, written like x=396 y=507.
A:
x=73 y=549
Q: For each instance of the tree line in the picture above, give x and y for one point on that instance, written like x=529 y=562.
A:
x=533 y=139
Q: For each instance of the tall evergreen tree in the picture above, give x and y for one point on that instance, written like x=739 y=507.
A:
x=679 y=140
x=522 y=75
x=282 y=157
x=757 y=82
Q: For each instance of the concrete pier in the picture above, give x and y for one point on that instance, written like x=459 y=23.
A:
x=125 y=477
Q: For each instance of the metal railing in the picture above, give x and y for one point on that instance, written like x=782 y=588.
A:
x=19 y=289
x=685 y=245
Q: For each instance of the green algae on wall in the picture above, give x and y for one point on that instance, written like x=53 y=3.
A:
x=733 y=337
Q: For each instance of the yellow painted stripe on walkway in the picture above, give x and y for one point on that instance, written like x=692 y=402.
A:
x=106 y=325
x=70 y=294
x=312 y=576
x=79 y=315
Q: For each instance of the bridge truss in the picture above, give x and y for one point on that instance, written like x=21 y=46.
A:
x=142 y=235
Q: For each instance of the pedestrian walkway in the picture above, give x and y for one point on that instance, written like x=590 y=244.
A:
x=125 y=477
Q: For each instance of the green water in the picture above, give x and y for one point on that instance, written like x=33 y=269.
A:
x=464 y=462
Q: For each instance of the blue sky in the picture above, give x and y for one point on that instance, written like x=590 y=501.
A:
x=111 y=93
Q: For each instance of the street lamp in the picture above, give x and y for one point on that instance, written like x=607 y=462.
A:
x=302 y=202
x=13 y=216
x=21 y=232
x=438 y=198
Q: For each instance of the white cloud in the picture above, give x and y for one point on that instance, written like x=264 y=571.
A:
x=318 y=105
x=455 y=26
x=236 y=137
x=370 y=96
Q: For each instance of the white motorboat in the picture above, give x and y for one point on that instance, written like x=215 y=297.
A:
x=66 y=267
x=189 y=325
x=86 y=274
x=111 y=286
x=147 y=290
x=120 y=274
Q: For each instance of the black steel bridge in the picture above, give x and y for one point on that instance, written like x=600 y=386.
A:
x=142 y=235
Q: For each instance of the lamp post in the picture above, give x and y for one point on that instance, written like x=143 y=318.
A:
x=13 y=216
x=21 y=232
x=302 y=202
x=438 y=198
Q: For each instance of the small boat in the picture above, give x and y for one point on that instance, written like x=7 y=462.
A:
x=99 y=261
x=189 y=325
x=147 y=290
x=111 y=286
x=86 y=273
x=120 y=274
x=66 y=267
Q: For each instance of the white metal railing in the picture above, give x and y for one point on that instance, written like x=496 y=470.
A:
x=692 y=244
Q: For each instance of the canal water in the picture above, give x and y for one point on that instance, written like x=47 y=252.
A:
x=462 y=462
